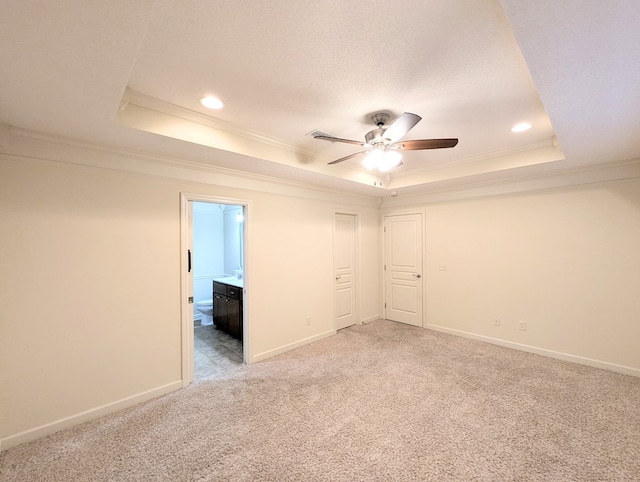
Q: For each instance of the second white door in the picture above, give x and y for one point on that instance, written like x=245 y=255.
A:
x=403 y=268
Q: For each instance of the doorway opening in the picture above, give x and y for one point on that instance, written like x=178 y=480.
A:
x=214 y=269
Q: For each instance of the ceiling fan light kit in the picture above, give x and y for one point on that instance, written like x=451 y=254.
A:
x=382 y=160
x=382 y=143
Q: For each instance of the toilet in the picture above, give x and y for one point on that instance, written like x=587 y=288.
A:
x=206 y=308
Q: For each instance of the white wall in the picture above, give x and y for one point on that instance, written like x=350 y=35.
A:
x=100 y=248
x=95 y=255
x=232 y=258
x=208 y=249
x=566 y=261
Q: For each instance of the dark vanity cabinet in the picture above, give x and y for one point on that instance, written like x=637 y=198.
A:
x=227 y=308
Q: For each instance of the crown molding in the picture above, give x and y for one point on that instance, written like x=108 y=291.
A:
x=152 y=103
x=152 y=115
x=487 y=156
x=19 y=143
x=504 y=161
x=520 y=183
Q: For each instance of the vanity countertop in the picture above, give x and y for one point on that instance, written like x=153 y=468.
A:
x=231 y=280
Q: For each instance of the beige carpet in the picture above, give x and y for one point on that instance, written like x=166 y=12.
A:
x=383 y=401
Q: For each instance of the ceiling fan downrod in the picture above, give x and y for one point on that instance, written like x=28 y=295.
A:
x=374 y=137
x=380 y=118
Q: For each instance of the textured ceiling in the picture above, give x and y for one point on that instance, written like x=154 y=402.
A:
x=130 y=75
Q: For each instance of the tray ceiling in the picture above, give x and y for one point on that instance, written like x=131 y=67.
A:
x=131 y=74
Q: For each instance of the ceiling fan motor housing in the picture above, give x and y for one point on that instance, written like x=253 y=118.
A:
x=374 y=137
x=380 y=118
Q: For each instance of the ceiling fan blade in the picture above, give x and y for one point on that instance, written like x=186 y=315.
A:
x=401 y=126
x=346 y=158
x=337 y=139
x=419 y=144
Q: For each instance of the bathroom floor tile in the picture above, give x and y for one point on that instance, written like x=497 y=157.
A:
x=234 y=345
x=224 y=354
x=214 y=352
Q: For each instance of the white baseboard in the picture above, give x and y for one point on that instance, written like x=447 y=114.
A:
x=541 y=351
x=370 y=319
x=49 y=428
x=276 y=351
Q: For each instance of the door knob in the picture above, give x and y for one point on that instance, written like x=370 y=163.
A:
x=338 y=277
x=417 y=276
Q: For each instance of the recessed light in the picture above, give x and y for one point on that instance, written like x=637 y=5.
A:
x=521 y=127
x=211 y=102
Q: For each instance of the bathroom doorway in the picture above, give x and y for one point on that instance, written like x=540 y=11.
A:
x=214 y=271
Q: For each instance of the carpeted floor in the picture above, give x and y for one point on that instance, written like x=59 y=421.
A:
x=382 y=401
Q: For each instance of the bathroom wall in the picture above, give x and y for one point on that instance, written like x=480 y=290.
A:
x=232 y=239
x=208 y=249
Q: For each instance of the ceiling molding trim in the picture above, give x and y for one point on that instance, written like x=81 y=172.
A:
x=593 y=174
x=545 y=154
x=157 y=116
x=19 y=143
x=530 y=148
x=165 y=124
x=160 y=106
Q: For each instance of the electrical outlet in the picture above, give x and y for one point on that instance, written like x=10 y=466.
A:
x=443 y=267
x=308 y=320
x=497 y=322
x=523 y=325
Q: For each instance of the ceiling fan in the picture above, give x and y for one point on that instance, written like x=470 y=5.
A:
x=383 y=143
